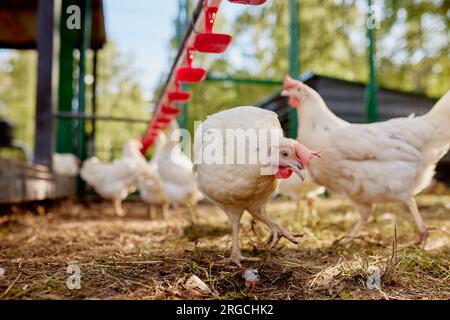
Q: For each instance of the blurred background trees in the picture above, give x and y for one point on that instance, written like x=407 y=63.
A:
x=413 y=49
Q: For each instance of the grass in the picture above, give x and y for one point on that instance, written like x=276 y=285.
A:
x=135 y=258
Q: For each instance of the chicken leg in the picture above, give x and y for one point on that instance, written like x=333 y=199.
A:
x=192 y=212
x=164 y=212
x=151 y=211
x=118 y=207
x=422 y=236
x=235 y=218
x=364 y=213
x=299 y=216
x=277 y=231
x=311 y=209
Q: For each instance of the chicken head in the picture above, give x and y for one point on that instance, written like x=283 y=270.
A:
x=293 y=89
x=290 y=156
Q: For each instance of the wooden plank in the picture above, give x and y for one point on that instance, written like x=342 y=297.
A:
x=21 y=182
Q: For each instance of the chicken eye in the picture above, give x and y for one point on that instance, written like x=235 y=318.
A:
x=284 y=154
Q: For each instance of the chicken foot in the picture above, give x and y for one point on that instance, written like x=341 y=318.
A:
x=118 y=207
x=422 y=236
x=276 y=231
x=236 y=256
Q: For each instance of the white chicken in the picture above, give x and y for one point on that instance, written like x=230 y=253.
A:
x=372 y=163
x=66 y=164
x=248 y=181
x=175 y=171
x=114 y=181
x=151 y=188
x=296 y=189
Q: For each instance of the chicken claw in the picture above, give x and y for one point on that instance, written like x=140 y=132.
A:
x=279 y=232
x=236 y=260
x=421 y=238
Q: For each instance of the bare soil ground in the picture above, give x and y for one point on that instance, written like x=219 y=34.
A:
x=136 y=258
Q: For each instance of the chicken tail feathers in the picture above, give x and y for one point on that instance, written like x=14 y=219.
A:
x=439 y=117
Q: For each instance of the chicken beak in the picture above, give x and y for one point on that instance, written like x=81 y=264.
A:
x=299 y=170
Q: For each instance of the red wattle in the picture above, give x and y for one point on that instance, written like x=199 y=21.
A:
x=283 y=172
x=293 y=102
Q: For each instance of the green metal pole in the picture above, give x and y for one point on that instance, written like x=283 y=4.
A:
x=266 y=82
x=294 y=58
x=68 y=42
x=371 y=99
x=86 y=36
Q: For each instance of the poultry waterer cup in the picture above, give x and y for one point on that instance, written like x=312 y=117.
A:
x=209 y=42
x=163 y=120
x=177 y=95
x=168 y=110
x=189 y=74
x=249 y=2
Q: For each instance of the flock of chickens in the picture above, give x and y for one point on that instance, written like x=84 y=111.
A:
x=166 y=180
x=368 y=163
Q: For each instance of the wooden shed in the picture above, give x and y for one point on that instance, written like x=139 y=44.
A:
x=18 y=24
x=41 y=25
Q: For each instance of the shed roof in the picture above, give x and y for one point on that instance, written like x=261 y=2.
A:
x=18 y=24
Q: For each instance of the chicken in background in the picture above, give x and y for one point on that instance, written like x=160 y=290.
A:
x=238 y=187
x=298 y=190
x=114 y=181
x=66 y=164
x=175 y=171
x=372 y=163
x=151 y=188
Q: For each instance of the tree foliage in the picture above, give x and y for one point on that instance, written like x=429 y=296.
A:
x=412 y=54
x=412 y=47
x=18 y=93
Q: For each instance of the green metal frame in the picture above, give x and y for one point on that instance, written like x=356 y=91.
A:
x=294 y=65
x=371 y=108
x=68 y=42
x=294 y=60
x=86 y=36
x=371 y=99
x=266 y=82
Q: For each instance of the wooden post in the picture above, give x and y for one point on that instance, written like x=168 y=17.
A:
x=48 y=51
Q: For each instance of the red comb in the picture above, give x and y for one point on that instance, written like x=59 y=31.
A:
x=290 y=83
x=304 y=155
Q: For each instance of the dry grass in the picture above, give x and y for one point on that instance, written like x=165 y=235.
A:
x=135 y=258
